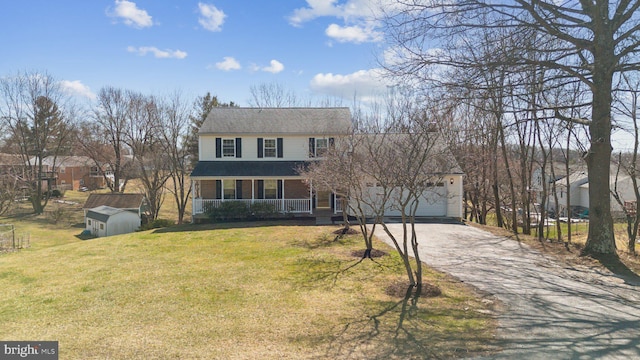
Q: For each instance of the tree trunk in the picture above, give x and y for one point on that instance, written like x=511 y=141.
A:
x=601 y=239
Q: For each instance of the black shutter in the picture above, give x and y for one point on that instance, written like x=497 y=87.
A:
x=218 y=189
x=280 y=145
x=238 y=189
x=331 y=143
x=218 y=147
x=260 y=148
x=260 y=189
x=312 y=147
x=279 y=189
x=238 y=147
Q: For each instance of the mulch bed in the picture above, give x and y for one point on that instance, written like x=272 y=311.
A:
x=375 y=253
x=398 y=289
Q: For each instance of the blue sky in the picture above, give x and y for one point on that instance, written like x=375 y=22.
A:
x=315 y=48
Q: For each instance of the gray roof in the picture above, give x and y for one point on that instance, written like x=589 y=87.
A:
x=321 y=121
x=102 y=213
x=119 y=201
x=441 y=161
x=247 y=168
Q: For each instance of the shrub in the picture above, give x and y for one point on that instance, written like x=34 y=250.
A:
x=229 y=210
x=156 y=224
x=262 y=210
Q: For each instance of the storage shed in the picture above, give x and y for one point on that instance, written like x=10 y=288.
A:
x=107 y=221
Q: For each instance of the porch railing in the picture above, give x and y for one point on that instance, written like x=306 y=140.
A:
x=283 y=205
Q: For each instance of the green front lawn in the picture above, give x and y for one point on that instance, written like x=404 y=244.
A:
x=267 y=292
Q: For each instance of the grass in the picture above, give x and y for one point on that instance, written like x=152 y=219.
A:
x=269 y=291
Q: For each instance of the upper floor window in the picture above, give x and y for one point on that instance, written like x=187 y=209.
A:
x=228 y=148
x=318 y=146
x=270 y=148
x=321 y=147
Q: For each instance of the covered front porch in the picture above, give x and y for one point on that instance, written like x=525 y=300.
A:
x=285 y=195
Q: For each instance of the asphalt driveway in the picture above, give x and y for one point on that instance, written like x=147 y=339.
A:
x=551 y=310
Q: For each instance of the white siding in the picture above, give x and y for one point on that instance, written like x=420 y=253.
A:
x=295 y=148
x=122 y=223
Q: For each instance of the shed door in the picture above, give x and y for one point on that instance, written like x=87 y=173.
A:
x=94 y=227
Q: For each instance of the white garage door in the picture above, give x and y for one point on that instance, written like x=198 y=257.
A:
x=433 y=203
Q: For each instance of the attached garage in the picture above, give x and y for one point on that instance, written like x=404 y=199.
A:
x=432 y=204
x=107 y=221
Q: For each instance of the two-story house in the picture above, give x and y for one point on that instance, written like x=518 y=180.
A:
x=72 y=172
x=253 y=155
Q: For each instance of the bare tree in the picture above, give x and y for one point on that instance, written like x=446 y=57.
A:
x=175 y=114
x=39 y=122
x=593 y=42
x=628 y=105
x=104 y=137
x=144 y=138
x=272 y=95
x=393 y=163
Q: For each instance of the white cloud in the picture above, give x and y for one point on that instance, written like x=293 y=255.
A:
x=228 y=64
x=320 y=8
x=358 y=18
x=76 y=87
x=129 y=13
x=364 y=84
x=160 y=54
x=274 y=67
x=355 y=34
x=211 y=18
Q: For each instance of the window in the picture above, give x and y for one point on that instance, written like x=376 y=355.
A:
x=270 y=148
x=61 y=169
x=228 y=148
x=321 y=147
x=229 y=189
x=101 y=226
x=318 y=147
x=271 y=189
x=89 y=222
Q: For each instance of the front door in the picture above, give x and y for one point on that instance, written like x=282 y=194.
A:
x=323 y=199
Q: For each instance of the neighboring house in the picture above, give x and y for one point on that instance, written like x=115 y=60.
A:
x=253 y=155
x=579 y=194
x=107 y=221
x=71 y=172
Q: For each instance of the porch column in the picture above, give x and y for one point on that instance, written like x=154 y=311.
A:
x=310 y=196
x=283 y=207
x=221 y=190
x=253 y=192
x=193 y=200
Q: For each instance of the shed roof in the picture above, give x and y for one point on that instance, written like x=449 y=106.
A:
x=233 y=120
x=118 y=201
x=102 y=213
